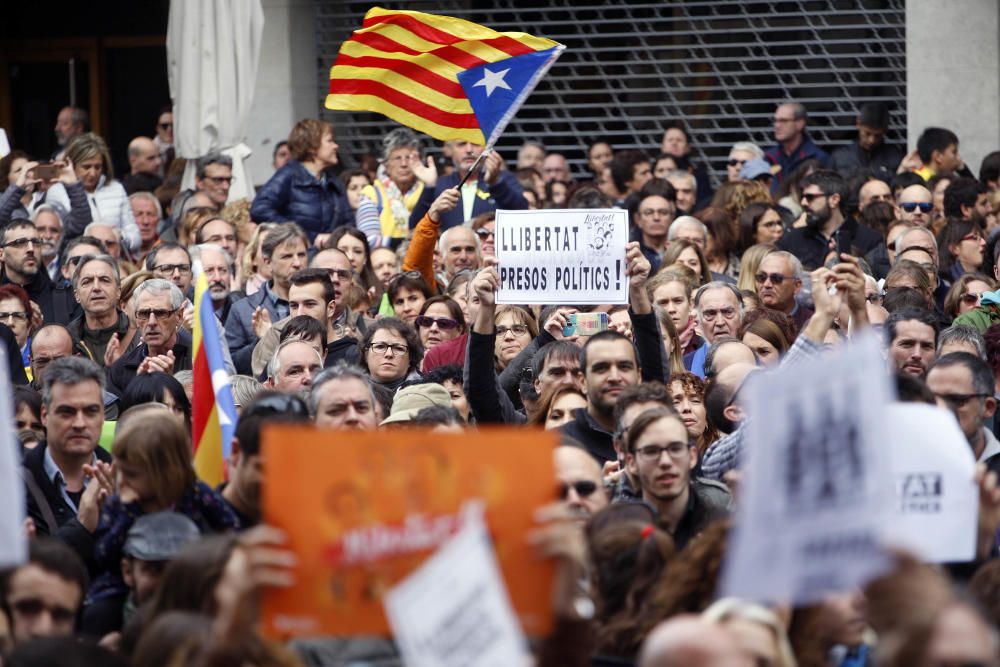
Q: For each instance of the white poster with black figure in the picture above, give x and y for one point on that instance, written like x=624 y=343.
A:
x=937 y=498
x=817 y=485
x=560 y=256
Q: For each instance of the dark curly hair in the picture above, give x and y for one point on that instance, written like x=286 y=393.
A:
x=408 y=333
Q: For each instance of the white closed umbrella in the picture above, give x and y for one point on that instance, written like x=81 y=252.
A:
x=213 y=48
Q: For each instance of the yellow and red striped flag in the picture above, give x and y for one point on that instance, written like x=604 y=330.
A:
x=443 y=76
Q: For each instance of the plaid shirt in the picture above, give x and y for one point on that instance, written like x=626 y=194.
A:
x=725 y=454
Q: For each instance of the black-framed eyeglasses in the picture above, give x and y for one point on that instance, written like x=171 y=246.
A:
x=21 y=243
x=912 y=206
x=444 y=323
x=583 y=488
x=168 y=269
x=675 y=450
x=812 y=196
x=776 y=278
x=17 y=315
x=383 y=348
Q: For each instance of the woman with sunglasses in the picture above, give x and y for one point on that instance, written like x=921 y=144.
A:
x=440 y=320
x=354 y=244
x=484 y=226
x=962 y=248
x=965 y=294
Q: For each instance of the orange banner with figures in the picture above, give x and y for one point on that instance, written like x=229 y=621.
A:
x=363 y=510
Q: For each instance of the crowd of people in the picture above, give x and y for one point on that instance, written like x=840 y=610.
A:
x=365 y=299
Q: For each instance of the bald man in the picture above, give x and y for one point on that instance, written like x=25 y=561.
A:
x=687 y=641
x=144 y=166
x=915 y=206
x=579 y=477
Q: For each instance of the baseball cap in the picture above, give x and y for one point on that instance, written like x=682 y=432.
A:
x=755 y=168
x=411 y=400
x=159 y=536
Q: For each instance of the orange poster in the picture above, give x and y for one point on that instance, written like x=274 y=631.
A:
x=363 y=510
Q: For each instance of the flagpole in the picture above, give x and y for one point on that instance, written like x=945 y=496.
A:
x=475 y=165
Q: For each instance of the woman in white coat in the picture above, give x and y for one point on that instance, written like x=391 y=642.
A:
x=108 y=201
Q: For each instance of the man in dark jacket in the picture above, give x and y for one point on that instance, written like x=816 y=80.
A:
x=165 y=346
x=869 y=151
x=827 y=230
x=55 y=480
x=21 y=254
x=794 y=146
x=491 y=189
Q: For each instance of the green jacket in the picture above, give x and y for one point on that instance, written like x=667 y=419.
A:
x=981 y=318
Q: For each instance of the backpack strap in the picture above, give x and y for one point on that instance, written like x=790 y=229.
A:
x=40 y=500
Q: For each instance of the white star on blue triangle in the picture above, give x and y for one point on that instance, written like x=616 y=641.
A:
x=492 y=81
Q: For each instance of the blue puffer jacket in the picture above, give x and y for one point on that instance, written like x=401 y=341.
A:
x=295 y=195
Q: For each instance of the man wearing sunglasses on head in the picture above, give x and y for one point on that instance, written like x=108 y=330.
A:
x=828 y=229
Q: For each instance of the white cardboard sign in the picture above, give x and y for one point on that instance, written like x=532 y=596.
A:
x=817 y=490
x=454 y=610
x=562 y=256
x=937 y=500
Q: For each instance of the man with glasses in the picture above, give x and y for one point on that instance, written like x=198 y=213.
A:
x=172 y=262
x=661 y=457
x=21 y=254
x=828 y=230
x=741 y=153
x=794 y=146
x=213 y=176
x=719 y=309
x=579 y=478
x=964 y=384
x=915 y=206
x=778 y=281
x=165 y=346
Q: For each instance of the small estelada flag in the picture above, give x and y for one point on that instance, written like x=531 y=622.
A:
x=443 y=76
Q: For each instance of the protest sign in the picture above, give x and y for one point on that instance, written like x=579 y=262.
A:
x=817 y=489
x=363 y=510
x=453 y=611
x=557 y=256
x=13 y=542
x=937 y=499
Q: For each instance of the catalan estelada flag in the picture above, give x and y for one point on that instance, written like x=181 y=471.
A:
x=445 y=77
x=213 y=410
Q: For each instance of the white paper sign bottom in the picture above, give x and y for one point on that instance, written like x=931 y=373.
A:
x=454 y=611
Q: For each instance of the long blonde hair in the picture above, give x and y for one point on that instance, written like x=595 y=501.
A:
x=750 y=262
